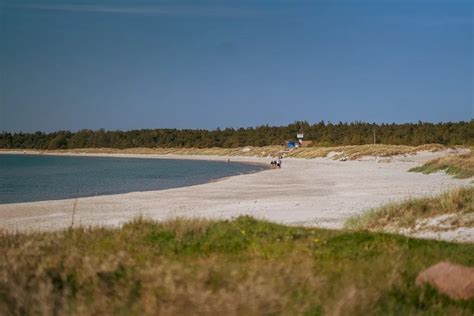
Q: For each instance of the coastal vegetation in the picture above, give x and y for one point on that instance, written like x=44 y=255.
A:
x=359 y=151
x=459 y=202
x=322 y=134
x=242 y=266
x=460 y=166
x=348 y=152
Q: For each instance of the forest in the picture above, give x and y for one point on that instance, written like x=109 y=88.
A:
x=321 y=133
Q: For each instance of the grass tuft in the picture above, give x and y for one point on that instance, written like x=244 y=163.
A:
x=460 y=166
x=406 y=214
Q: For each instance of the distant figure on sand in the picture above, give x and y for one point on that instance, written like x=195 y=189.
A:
x=278 y=163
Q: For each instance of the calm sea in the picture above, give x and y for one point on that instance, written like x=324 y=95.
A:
x=26 y=178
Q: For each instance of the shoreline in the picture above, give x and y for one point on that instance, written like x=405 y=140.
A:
x=318 y=192
x=238 y=159
x=262 y=167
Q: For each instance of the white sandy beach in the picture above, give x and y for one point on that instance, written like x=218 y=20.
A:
x=315 y=192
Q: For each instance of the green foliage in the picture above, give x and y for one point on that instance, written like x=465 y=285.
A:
x=242 y=266
x=323 y=134
x=58 y=142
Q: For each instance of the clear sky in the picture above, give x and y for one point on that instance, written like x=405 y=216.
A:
x=204 y=64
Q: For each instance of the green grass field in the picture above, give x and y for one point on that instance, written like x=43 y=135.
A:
x=239 y=267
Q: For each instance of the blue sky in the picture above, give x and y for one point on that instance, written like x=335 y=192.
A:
x=207 y=64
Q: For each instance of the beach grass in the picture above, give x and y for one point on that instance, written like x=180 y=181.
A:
x=349 y=152
x=406 y=214
x=237 y=267
x=460 y=166
x=359 y=151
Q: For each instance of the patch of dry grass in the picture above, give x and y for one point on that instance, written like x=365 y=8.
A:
x=461 y=166
x=350 y=152
x=406 y=214
x=356 y=152
x=239 y=267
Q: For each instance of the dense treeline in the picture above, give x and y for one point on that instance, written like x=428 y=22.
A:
x=323 y=134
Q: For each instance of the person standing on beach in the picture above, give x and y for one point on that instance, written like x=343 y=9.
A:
x=278 y=163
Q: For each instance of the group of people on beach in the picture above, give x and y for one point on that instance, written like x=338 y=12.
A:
x=276 y=163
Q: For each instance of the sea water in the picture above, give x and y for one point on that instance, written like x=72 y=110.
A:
x=27 y=178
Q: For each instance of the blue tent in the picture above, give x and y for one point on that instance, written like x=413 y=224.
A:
x=291 y=144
